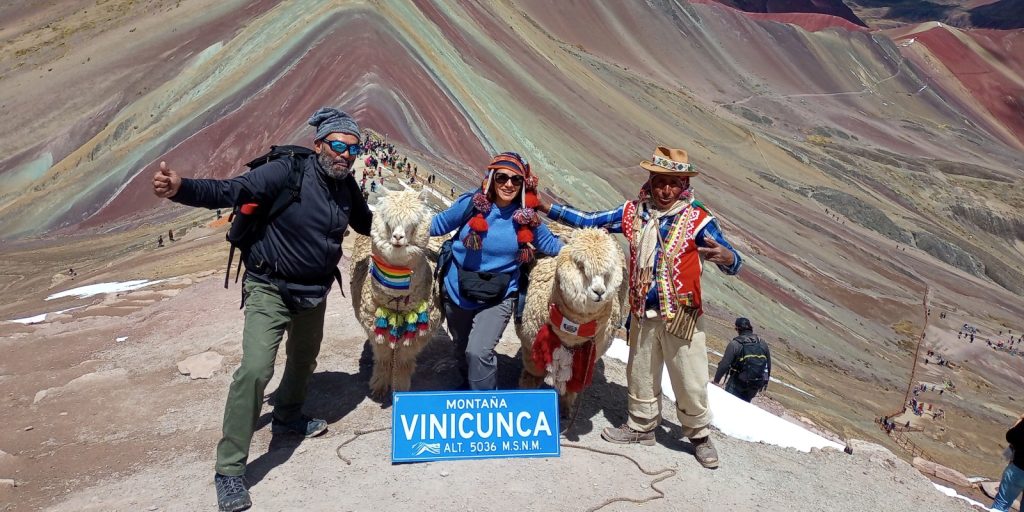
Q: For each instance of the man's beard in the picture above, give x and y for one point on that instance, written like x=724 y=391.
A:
x=328 y=165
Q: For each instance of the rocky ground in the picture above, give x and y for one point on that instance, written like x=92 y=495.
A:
x=93 y=423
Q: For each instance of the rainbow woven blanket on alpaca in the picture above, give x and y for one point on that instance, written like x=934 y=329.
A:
x=390 y=276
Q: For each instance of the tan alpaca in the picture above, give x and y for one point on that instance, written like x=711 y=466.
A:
x=392 y=278
x=584 y=282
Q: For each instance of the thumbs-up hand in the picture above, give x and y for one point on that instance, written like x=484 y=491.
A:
x=166 y=182
x=716 y=253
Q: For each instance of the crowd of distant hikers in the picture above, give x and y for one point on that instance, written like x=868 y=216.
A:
x=1003 y=341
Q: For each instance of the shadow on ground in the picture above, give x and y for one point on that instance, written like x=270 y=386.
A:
x=333 y=395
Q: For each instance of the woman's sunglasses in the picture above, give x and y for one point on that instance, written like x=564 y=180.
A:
x=340 y=147
x=501 y=179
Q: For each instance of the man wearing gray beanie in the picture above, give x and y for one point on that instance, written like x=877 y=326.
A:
x=332 y=126
x=290 y=266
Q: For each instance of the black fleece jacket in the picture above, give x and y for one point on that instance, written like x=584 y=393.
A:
x=302 y=245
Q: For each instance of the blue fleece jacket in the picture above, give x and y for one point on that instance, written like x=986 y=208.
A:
x=498 y=253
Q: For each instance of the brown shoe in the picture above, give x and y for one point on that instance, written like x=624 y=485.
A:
x=626 y=435
x=705 y=452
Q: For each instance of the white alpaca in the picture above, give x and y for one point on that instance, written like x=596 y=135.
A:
x=574 y=297
x=393 y=290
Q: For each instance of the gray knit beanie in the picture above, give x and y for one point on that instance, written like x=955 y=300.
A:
x=329 y=120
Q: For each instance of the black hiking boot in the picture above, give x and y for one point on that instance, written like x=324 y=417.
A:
x=304 y=426
x=232 y=493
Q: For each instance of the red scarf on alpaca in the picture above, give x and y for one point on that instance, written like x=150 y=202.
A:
x=583 y=356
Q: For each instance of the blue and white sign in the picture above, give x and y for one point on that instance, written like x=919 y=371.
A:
x=474 y=425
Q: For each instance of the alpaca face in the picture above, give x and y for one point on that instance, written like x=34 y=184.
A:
x=589 y=269
x=401 y=227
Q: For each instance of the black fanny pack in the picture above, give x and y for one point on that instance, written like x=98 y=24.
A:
x=483 y=287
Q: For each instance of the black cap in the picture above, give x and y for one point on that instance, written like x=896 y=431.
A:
x=743 y=324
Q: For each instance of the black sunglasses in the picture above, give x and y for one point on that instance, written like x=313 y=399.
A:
x=501 y=179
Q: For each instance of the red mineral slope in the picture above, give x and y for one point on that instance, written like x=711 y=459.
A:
x=987 y=63
x=390 y=91
x=809 y=21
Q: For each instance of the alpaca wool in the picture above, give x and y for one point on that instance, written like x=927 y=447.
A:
x=396 y=290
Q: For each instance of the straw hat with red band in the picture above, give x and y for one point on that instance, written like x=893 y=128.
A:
x=525 y=218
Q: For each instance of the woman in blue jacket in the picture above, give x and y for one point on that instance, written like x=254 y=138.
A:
x=502 y=233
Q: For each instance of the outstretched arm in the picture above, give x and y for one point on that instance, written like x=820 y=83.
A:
x=259 y=185
x=452 y=218
x=546 y=241
x=610 y=219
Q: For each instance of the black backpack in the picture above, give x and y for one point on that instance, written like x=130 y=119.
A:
x=250 y=220
x=751 y=365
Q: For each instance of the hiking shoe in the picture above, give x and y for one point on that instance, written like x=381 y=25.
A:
x=705 y=452
x=232 y=495
x=304 y=426
x=627 y=435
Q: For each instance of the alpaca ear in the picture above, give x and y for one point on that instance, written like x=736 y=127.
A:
x=424 y=194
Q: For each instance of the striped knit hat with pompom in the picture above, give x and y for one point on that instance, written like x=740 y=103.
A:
x=525 y=218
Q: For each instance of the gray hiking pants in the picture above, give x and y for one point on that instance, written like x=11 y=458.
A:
x=476 y=332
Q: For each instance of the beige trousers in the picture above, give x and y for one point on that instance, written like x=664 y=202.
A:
x=651 y=348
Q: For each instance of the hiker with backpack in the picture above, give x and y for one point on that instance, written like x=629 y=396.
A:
x=747 y=361
x=671 y=236
x=497 y=231
x=294 y=205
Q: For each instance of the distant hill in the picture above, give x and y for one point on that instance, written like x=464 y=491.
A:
x=830 y=7
x=1000 y=14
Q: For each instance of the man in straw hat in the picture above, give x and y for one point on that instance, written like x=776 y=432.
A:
x=670 y=234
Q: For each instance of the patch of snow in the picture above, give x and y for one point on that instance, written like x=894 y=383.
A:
x=952 y=494
x=30 y=319
x=120 y=339
x=742 y=420
x=790 y=386
x=41 y=317
x=101 y=288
